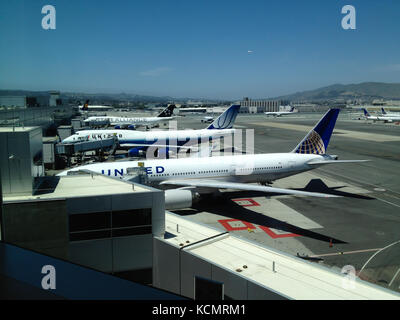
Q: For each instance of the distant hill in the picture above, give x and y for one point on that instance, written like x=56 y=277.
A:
x=83 y=96
x=115 y=96
x=102 y=96
x=365 y=90
x=23 y=93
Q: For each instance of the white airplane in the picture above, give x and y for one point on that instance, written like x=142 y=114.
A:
x=384 y=113
x=137 y=142
x=87 y=107
x=120 y=122
x=368 y=116
x=389 y=117
x=207 y=119
x=385 y=118
x=280 y=113
x=192 y=176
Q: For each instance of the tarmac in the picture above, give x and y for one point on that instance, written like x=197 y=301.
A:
x=336 y=232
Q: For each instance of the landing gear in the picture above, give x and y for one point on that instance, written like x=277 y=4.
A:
x=265 y=183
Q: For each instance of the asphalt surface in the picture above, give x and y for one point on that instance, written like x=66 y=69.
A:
x=335 y=232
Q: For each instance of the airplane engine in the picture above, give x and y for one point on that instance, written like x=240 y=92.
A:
x=131 y=127
x=180 y=198
x=137 y=152
x=117 y=127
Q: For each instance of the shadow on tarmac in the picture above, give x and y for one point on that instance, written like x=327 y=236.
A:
x=221 y=205
x=317 y=185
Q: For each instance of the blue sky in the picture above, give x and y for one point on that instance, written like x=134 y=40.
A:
x=187 y=48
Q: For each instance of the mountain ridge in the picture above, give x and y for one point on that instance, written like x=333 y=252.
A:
x=363 y=90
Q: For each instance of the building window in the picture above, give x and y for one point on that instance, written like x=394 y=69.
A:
x=103 y=225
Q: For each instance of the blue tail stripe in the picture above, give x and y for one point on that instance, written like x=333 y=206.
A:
x=325 y=127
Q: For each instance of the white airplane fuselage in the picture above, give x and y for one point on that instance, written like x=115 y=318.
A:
x=389 y=118
x=135 y=121
x=129 y=138
x=279 y=113
x=237 y=168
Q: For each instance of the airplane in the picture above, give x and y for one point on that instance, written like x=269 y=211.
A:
x=368 y=115
x=390 y=114
x=385 y=118
x=121 y=122
x=207 y=119
x=87 y=107
x=190 y=177
x=137 y=142
x=280 y=113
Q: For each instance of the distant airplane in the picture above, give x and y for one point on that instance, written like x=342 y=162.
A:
x=368 y=116
x=280 y=113
x=191 y=176
x=207 y=119
x=87 y=107
x=122 y=122
x=384 y=113
x=137 y=142
x=384 y=118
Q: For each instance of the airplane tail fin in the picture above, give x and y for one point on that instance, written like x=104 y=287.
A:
x=167 y=112
x=366 y=113
x=226 y=119
x=86 y=105
x=317 y=140
x=292 y=109
x=383 y=111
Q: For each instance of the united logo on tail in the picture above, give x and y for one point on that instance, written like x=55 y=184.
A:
x=313 y=144
x=317 y=140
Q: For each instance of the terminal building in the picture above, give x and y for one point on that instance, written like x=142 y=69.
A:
x=51 y=99
x=259 y=106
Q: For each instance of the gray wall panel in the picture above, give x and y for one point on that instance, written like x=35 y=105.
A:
x=131 y=253
x=131 y=201
x=192 y=266
x=165 y=266
x=234 y=286
x=257 y=292
x=93 y=254
x=89 y=204
x=158 y=216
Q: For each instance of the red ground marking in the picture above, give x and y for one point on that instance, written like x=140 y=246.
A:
x=274 y=235
x=228 y=226
x=246 y=202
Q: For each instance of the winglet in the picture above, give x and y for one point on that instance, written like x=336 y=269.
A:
x=226 y=119
x=317 y=140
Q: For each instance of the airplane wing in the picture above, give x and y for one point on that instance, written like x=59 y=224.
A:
x=318 y=162
x=242 y=186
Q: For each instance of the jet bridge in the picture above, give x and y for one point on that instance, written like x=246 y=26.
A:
x=69 y=149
